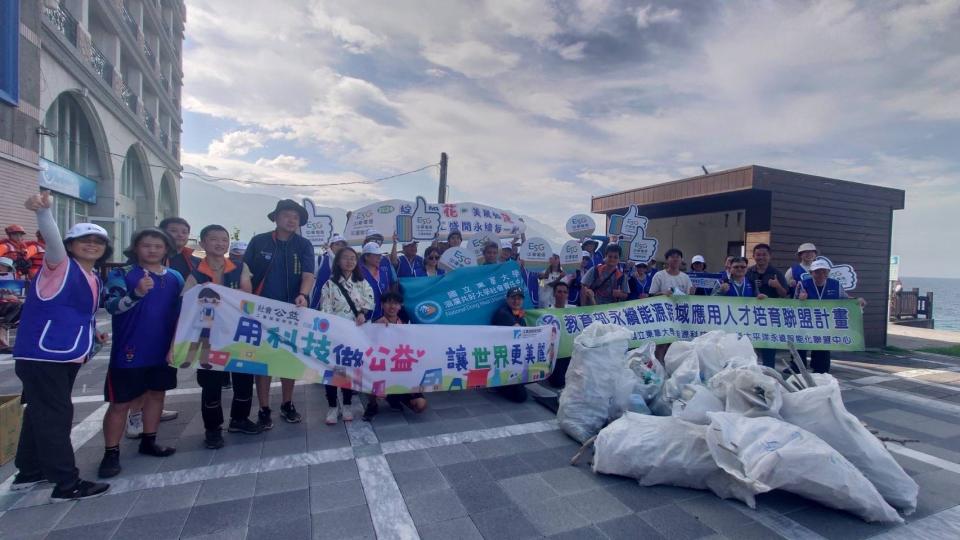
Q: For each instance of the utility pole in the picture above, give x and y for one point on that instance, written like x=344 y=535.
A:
x=442 y=195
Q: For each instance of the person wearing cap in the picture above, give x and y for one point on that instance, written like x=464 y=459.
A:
x=380 y=282
x=768 y=281
x=506 y=250
x=349 y=296
x=407 y=263
x=56 y=335
x=183 y=260
x=819 y=286
x=639 y=279
x=699 y=264
x=280 y=265
x=143 y=299
x=237 y=249
x=590 y=245
x=573 y=280
x=606 y=283
x=373 y=235
x=511 y=314
x=325 y=267
x=217 y=269
x=18 y=251
x=806 y=254
x=7 y=270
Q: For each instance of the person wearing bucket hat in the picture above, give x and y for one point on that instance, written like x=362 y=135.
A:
x=819 y=286
x=511 y=313
x=806 y=254
x=325 y=266
x=407 y=263
x=591 y=245
x=47 y=356
x=280 y=265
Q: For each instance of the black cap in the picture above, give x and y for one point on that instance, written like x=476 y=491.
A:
x=515 y=291
x=289 y=204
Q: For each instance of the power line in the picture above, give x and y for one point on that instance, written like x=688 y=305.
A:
x=211 y=178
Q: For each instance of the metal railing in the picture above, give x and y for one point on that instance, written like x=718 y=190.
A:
x=164 y=82
x=148 y=52
x=148 y=121
x=128 y=18
x=164 y=138
x=63 y=21
x=102 y=66
x=128 y=97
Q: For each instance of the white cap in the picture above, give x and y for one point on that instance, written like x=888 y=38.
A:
x=698 y=259
x=506 y=243
x=371 y=248
x=86 y=229
x=238 y=245
x=336 y=237
x=6 y=261
x=585 y=254
x=411 y=242
x=806 y=247
x=819 y=264
x=374 y=232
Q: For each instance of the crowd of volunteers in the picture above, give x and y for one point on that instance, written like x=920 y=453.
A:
x=57 y=331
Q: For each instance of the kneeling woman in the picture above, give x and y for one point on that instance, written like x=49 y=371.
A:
x=144 y=299
x=347 y=294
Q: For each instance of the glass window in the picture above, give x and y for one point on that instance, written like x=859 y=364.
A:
x=10 y=51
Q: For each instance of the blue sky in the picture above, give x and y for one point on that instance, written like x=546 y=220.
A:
x=542 y=104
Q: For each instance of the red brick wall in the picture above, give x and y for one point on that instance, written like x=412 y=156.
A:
x=17 y=182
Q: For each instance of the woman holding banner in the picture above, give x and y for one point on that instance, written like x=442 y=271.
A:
x=350 y=296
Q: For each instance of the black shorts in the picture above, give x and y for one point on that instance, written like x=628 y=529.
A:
x=127 y=384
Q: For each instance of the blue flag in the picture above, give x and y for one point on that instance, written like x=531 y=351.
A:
x=464 y=296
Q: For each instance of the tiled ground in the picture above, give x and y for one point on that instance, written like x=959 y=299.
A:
x=472 y=466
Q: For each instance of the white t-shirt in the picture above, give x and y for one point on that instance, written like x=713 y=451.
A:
x=663 y=283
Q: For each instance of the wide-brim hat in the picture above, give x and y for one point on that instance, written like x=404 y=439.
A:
x=806 y=247
x=289 y=204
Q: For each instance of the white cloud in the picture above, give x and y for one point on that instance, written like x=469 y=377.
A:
x=290 y=163
x=573 y=52
x=472 y=58
x=649 y=14
x=236 y=143
x=355 y=38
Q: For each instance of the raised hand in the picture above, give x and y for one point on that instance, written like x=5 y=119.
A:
x=38 y=201
x=144 y=285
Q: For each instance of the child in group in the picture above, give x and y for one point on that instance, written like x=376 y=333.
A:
x=144 y=299
x=216 y=268
x=57 y=332
x=391 y=303
x=347 y=294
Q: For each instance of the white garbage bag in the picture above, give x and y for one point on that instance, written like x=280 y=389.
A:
x=650 y=375
x=734 y=346
x=679 y=352
x=663 y=450
x=747 y=391
x=595 y=381
x=695 y=410
x=820 y=411
x=710 y=353
x=684 y=369
x=766 y=454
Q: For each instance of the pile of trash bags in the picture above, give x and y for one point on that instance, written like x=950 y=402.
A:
x=711 y=418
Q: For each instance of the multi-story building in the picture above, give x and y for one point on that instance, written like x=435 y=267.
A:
x=107 y=100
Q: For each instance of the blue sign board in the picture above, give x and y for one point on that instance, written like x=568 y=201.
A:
x=63 y=180
x=468 y=295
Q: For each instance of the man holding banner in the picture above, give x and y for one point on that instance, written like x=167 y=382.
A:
x=280 y=265
x=512 y=314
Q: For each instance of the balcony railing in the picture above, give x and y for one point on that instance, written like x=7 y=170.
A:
x=128 y=18
x=166 y=28
x=164 y=138
x=148 y=52
x=102 y=66
x=128 y=97
x=64 y=22
x=148 y=121
x=164 y=82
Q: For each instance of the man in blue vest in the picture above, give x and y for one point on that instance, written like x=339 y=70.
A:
x=407 y=263
x=820 y=286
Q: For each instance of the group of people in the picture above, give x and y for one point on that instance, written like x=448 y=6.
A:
x=58 y=331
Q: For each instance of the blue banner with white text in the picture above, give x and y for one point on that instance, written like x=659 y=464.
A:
x=464 y=296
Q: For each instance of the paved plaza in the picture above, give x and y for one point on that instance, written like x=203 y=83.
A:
x=472 y=466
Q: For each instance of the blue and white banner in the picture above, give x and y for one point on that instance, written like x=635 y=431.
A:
x=464 y=296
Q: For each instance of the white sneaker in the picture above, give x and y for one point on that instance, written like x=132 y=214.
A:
x=135 y=425
x=332 y=416
x=347 y=413
x=166 y=416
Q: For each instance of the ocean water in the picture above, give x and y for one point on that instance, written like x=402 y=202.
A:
x=946 y=299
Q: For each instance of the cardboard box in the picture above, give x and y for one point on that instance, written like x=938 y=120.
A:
x=11 y=414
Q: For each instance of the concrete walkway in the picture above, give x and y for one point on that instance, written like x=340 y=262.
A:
x=913 y=339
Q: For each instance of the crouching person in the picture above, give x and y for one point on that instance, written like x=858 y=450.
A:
x=144 y=299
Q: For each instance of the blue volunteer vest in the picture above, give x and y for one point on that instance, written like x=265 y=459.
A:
x=831 y=289
x=746 y=291
x=379 y=287
x=324 y=271
x=407 y=269
x=142 y=335
x=799 y=272
x=59 y=328
x=230 y=279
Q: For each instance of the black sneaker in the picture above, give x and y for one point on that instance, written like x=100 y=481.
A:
x=26 y=481
x=213 y=439
x=244 y=425
x=109 y=465
x=289 y=413
x=371 y=410
x=264 y=420
x=81 y=490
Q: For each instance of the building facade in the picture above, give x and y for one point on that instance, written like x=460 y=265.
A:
x=102 y=81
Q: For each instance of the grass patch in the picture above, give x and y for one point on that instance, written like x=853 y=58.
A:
x=953 y=350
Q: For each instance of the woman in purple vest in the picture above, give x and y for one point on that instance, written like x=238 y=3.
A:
x=56 y=334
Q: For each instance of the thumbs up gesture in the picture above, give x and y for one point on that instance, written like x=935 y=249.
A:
x=426 y=223
x=38 y=201
x=144 y=285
